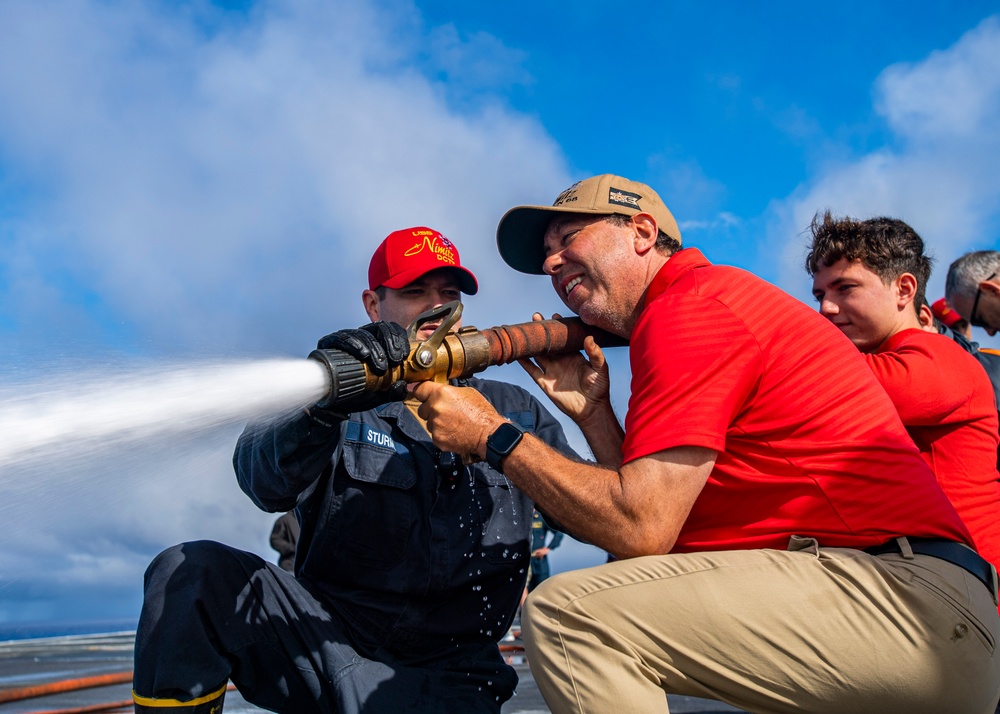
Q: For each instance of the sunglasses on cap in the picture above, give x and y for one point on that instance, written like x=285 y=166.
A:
x=973 y=317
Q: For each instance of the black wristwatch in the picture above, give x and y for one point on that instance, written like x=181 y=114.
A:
x=501 y=442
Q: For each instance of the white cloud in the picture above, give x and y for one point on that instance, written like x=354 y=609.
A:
x=687 y=185
x=222 y=190
x=477 y=61
x=952 y=95
x=177 y=180
x=79 y=534
x=938 y=174
x=724 y=220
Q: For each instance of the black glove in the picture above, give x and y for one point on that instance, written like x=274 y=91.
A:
x=382 y=346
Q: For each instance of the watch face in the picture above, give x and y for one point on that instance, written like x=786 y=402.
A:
x=504 y=439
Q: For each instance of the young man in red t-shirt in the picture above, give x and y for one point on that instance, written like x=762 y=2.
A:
x=869 y=278
x=772 y=518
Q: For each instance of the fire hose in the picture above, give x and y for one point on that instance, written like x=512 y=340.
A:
x=448 y=354
x=14 y=694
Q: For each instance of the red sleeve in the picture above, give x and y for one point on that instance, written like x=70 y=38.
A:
x=915 y=381
x=695 y=366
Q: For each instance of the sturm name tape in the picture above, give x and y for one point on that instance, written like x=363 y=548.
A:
x=364 y=434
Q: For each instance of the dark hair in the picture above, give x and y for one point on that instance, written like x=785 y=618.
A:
x=664 y=242
x=381 y=291
x=886 y=246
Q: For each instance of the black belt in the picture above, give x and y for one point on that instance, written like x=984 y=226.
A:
x=954 y=553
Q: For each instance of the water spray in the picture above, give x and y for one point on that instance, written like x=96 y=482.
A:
x=75 y=416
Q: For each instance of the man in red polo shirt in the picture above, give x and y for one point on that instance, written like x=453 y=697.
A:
x=758 y=462
x=869 y=277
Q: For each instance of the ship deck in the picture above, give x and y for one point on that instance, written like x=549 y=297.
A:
x=46 y=664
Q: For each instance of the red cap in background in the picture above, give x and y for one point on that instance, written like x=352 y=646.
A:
x=943 y=311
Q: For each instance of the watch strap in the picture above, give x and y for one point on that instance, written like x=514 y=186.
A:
x=501 y=442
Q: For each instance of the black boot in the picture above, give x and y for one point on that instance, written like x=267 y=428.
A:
x=208 y=704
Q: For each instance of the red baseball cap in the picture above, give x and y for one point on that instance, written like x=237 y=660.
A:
x=944 y=312
x=407 y=254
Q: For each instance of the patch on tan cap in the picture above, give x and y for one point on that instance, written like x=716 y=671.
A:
x=623 y=198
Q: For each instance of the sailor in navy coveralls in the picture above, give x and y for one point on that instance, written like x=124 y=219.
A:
x=410 y=565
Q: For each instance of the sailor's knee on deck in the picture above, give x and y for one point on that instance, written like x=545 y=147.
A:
x=186 y=563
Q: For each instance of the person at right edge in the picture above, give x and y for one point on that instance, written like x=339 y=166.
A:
x=972 y=289
x=869 y=277
x=782 y=545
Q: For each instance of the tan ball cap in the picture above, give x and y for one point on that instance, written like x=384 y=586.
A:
x=522 y=229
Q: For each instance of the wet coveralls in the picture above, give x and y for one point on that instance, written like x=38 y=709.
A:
x=408 y=571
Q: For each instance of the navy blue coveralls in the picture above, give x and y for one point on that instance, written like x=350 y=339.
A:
x=540 y=566
x=409 y=569
x=990 y=360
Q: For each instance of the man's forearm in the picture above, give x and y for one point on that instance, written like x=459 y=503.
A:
x=605 y=436
x=572 y=493
x=636 y=510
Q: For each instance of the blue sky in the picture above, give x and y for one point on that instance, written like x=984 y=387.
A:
x=185 y=182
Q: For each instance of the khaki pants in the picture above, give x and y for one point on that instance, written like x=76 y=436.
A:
x=811 y=630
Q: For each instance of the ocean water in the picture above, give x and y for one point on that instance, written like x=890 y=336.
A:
x=10 y=631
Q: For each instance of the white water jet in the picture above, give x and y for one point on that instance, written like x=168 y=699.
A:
x=78 y=413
